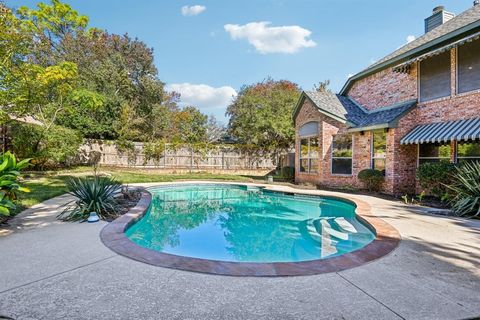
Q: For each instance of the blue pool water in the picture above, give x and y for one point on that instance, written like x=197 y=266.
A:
x=236 y=223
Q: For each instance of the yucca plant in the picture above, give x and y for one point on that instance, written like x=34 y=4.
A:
x=465 y=188
x=93 y=194
x=9 y=186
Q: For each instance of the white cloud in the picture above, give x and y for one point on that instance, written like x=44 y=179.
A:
x=410 y=38
x=209 y=100
x=193 y=10
x=266 y=39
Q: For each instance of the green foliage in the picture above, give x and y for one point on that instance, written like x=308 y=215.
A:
x=465 y=186
x=189 y=125
x=434 y=176
x=421 y=196
x=9 y=186
x=287 y=173
x=93 y=194
x=261 y=114
x=49 y=148
x=154 y=151
x=371 y=179
x=53 y=21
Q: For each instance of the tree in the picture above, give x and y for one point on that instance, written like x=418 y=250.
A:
x=322 y=86
x=189 y=126
x=214 y=130
x=261 y=114
x=96 y=84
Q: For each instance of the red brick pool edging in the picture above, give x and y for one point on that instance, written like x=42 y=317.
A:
x=386 y=240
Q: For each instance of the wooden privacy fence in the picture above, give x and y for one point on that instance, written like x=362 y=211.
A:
x=221 y=157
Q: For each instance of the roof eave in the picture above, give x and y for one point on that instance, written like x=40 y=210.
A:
x=325 y=112
x=297 y=106
x=407 y=55
x=369 y=128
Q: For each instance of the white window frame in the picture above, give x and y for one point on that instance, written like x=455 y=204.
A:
x=430 y=158
x=332 y=157
x=456 y=153
x=308 y=158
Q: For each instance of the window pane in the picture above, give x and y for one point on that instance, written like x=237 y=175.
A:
x=469 y=66
x=379 y=164
x=379 y=144
x=435 y=150
x=303 y=148
x=468 y=149
x=342 y=166
x=342 y=146
x=308 y=129
x=304 y=165
x=435 y=77
x=313 y=165
x=314 y=147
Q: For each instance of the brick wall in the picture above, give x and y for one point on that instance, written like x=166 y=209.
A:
x=328 y=127
x=382 y=89
x=385 y=88
x=388 y=87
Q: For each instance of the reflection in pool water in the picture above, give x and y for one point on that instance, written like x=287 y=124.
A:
x=235 y=223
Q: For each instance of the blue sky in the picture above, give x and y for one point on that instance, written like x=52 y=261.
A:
x=208 y=51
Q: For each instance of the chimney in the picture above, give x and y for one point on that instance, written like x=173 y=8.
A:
x=439 y=16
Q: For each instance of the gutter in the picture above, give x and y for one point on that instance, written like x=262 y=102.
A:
x=369 y=128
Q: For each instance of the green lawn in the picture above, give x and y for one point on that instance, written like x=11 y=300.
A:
x=46 y=185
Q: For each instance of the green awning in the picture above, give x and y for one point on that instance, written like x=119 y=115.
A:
x=460 y=130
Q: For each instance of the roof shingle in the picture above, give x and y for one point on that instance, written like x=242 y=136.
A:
x=357 y=116
x=465 y=18
x=461 y=25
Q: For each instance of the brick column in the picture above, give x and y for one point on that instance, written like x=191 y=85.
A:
x=453 y=73
x=453 y=145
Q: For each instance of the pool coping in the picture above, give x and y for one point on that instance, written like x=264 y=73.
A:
x=386 y=240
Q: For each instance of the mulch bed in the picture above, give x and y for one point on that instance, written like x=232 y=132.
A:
x=127 y=199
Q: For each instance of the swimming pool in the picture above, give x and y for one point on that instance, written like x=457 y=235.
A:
x=237 y=223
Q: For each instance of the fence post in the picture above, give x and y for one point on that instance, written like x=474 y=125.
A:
x=223 y=159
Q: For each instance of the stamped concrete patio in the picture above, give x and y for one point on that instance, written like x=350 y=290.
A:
x=55 y=270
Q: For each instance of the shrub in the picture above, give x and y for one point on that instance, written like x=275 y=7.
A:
x=9 y=186
x=371 y=179
x=287 y=173
x=434 y=176
x=48 y=148
x=465 y=187
x=93 y=194
x=154 y=151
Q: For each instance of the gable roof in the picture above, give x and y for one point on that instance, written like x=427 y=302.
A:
x=357 y=118
x=459 y=26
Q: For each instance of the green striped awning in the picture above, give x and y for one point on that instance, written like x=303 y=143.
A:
x=468 y=129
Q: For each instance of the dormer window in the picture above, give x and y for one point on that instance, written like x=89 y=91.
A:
x=435 y=77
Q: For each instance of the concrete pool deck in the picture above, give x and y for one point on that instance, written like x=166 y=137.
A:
x=56 y=270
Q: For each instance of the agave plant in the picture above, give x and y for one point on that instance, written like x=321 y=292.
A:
x=466 y=190
x=93 y=194
x=9 y=186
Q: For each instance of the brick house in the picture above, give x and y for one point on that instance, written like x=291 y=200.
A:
x=419 y=104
